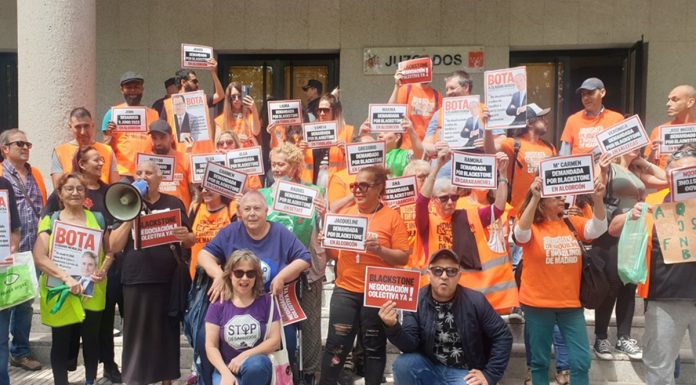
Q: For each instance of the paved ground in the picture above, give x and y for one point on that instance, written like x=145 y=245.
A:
x=45 y=377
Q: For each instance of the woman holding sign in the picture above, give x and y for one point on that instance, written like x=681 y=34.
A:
x=59 y=255
x=387 y=246
x=552 y=249
x=239 y=115
x=228 y=141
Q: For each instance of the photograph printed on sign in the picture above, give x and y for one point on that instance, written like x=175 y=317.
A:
x=223 y=180
x=419 y=70
x=384 y=284
x=674 y=136
x=567 y=175
x=294 y=199
x=248 y=160
x=682 y=183
x=361 y=155
x=506 y=97
x=387 y=117
x=400 y=191
x=285 y=112
x=320 y=134
x=165 y=163
x=129 y=120
x=623 y=137
x=462 y=127
x=195 y=56
x=477 y=171
x=5 y=225
x=345 y=232
x=75 y=249
x=191 y=119
x=200 y=162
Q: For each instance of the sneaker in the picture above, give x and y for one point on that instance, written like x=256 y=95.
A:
x=26 y=363
x=516 y=315
x=602 y=349
x=562 y=377
x=112 y=373
x=629 y=347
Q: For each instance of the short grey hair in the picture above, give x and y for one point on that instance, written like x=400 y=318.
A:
x=5 y=136
x=152 y=164
x=440 y=185
x=252 y=193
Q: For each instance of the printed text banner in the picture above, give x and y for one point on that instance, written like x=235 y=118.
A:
x=567 y=175
x=294 y=199
x=129 y=120
x=195 y=56
x=623 y=137
x=506 y=97
x=384 y=284
x=474 y=170
x=683 y=186
x=344 y=232
x=158 y=229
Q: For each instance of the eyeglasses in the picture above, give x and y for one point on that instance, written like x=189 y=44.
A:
x=235 y=97
x=71 y=189
x=679 y=154
x=421 y=176
x=445 y=198
x=362 y=186
x=437 y=271
x=251 y=274
x=225 y=143
x=21 y=143
x=323 y=110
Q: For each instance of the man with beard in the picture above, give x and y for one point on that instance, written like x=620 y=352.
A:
x=162 y=142
x=127 y=144
x=680 y=109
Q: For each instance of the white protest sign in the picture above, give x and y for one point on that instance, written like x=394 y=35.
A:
x=506 y=97
x=474 y=170
x=195 y=56
x=345 y=232
x=461 y=121
x=286 y=112
x=129 y=119
x=320 y=134
x=200 y=162
x=361 y=155
x=623 y=137
x=676 y=135
x=75 y=249
x=387 y=117
x=5 y=225
x=247 y=160
x=294 y=199
x=683 y=183
x=567 y=175
x=191 y=117
x=164 y=162
x=223 y=180
x=400 y=191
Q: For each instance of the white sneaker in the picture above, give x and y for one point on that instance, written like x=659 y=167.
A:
x=629 y=347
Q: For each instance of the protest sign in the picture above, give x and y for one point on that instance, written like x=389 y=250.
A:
x=674 y=136
x=345 y=232
x=400 y=191
x=164 y=162
x=674 y=226
x=191 y=117
x=387 y=117
x=384 y=284
x=506 y=97
x=320 y=134
x=623 y=137
x=461 y=121
x=75 y=249
x=195 y=56
x=289 y=305
x=361 y=155
x=247 y=160
x=200 y=162
x=129 y=119
x=418 y=70
x=157 y=229
x=474 y=170
x=5 y=225
x=223 y=180
x=567 y=175
x=294 y=199
x=683 y=183
x=286 y=112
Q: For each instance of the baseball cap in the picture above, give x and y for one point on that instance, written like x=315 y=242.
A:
x=590 y=84
x=160 y=126
x=445 y=253
x=131 y=76
x=534 y=111
x=313 y=83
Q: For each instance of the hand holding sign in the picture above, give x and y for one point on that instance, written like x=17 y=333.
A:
x=387 y=312
x=502 y=161
x=535 y=188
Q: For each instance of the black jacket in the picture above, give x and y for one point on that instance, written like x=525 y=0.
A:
x=486 y=337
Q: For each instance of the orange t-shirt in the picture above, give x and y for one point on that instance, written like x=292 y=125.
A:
x=179 y=187
x=205 y=227
x=417 y=258
x=552 y=265
x=240 y=126
x=339 y=185
x=529 y=156
x=422 y=101
x=581 y=130
x=66 y=152
x=127 y=145
x=392 y=234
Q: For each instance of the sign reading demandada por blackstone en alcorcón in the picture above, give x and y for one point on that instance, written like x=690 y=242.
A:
x=567 y=175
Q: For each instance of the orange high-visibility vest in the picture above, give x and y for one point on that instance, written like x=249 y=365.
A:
x=66 y=152
x=37 y=177
x=240 y=127
x=337 y=156
x=126 y=145
x=652 y=199
x=202 y=147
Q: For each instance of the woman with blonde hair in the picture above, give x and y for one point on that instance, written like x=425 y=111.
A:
x=239 y=116
x=238 y=336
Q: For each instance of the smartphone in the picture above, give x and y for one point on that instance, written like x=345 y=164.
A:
x=246 y=90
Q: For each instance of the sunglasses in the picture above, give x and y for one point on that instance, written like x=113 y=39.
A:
x=235 y=97
x=445 y=198
x=21 y=143
x=362 y=186
x=437 y=271
x=251 y=274
x=225 y=143
x=323 y=110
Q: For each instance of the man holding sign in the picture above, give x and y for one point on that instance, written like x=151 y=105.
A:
x=680 y=109
x=469 y=343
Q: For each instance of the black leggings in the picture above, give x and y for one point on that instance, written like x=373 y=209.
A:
x=346 y=316
x=62 y=344
x=114 y=296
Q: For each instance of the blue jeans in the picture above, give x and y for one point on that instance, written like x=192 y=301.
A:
x=20 y=324
x=256 y=370
x=539 y=325
x=417 y=369
x=4 y=345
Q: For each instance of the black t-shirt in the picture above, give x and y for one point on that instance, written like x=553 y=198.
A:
x=94 y=202
x=14 y=214
x=153 y=264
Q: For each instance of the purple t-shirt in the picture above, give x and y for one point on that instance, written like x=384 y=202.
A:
x=240 y=328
